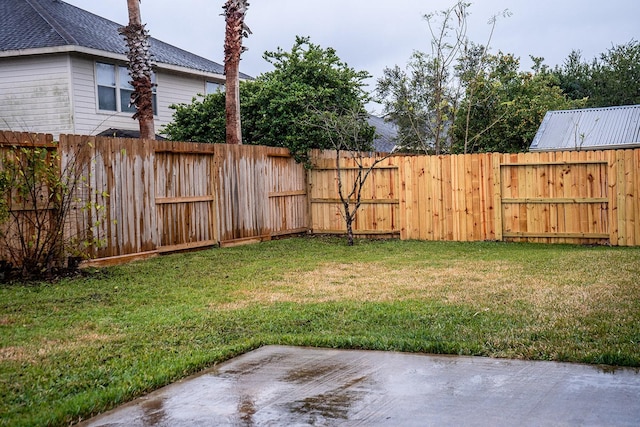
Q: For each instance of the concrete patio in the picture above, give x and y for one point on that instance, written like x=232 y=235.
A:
x=292 y=386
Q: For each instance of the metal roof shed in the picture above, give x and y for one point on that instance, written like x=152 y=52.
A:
x=589 y=129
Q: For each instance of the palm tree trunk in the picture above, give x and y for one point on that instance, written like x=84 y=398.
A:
x=235 y=30
x=137 y=38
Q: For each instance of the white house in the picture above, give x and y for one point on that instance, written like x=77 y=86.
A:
x=63 y=70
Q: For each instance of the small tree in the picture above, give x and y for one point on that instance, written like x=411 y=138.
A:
x=234 y=11
x=274 y=105
x=39 y=192
x=139 y=54
x=423 y=101
x=348 y=131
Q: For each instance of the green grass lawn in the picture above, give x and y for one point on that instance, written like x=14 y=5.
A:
x=81 y=346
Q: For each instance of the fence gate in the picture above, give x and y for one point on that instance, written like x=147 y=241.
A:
x=185 y=199
x=559 y=202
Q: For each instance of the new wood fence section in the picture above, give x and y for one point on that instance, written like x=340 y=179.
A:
x=379 y=212
x=554 y=197
x=148 y=197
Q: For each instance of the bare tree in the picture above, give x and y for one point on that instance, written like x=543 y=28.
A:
x=44 y=190
x=471 y=65
x=234 y=11
x=444 y=50
x=137 y=39
x=428 y=99
x=423 y=100
x=348 y=132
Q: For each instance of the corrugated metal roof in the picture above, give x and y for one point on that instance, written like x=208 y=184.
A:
x=589 y=129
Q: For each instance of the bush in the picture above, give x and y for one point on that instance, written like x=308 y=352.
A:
x=37 y=196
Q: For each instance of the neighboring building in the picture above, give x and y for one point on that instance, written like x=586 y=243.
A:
x=386 y=134
x=589 y=129
x=63 y=70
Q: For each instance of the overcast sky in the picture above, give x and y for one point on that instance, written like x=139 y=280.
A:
x=373 y=34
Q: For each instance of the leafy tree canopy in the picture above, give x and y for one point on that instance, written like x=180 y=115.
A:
x=420 y=103
x=611 y=79
x=276 y=108
x=507 y=106
x=460 y=98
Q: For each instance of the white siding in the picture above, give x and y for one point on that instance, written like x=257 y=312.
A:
x=89 y=120
x=35 y=95
x=172 y=89
x=175 y=89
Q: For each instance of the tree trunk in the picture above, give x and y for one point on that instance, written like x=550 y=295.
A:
x=137 y=38
x=235 y=30
x=349 y=223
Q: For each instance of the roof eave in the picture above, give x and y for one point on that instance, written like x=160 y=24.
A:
x=38 y=51
x=104 y=54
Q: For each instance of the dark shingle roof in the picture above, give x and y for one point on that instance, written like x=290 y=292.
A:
x=386 y=134
x=32 y=24
x=126 y=133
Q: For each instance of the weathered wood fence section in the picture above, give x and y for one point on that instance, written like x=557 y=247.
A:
x=24 y=223
x=261 y=193
x=141 y=197
x=118 y=179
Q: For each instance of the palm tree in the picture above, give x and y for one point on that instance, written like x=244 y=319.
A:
x=234 y=11
x=137 y=39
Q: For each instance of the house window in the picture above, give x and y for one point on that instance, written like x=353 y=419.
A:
x=114 y=89
x=213 y=87
x=125 y=91
x=106 y=77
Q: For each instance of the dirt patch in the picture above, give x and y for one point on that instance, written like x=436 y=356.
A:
x=6 y=321
x=34 y=353
x=373 y=283
x=486 y=285
x=16 y=354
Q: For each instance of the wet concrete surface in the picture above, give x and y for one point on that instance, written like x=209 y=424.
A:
x=293 y=386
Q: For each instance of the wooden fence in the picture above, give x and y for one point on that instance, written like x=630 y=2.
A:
x=379 y=213
x=139 y=197
x=553 y=197
x=148 y=197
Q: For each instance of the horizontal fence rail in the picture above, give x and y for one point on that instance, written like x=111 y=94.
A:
x=140 y=197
